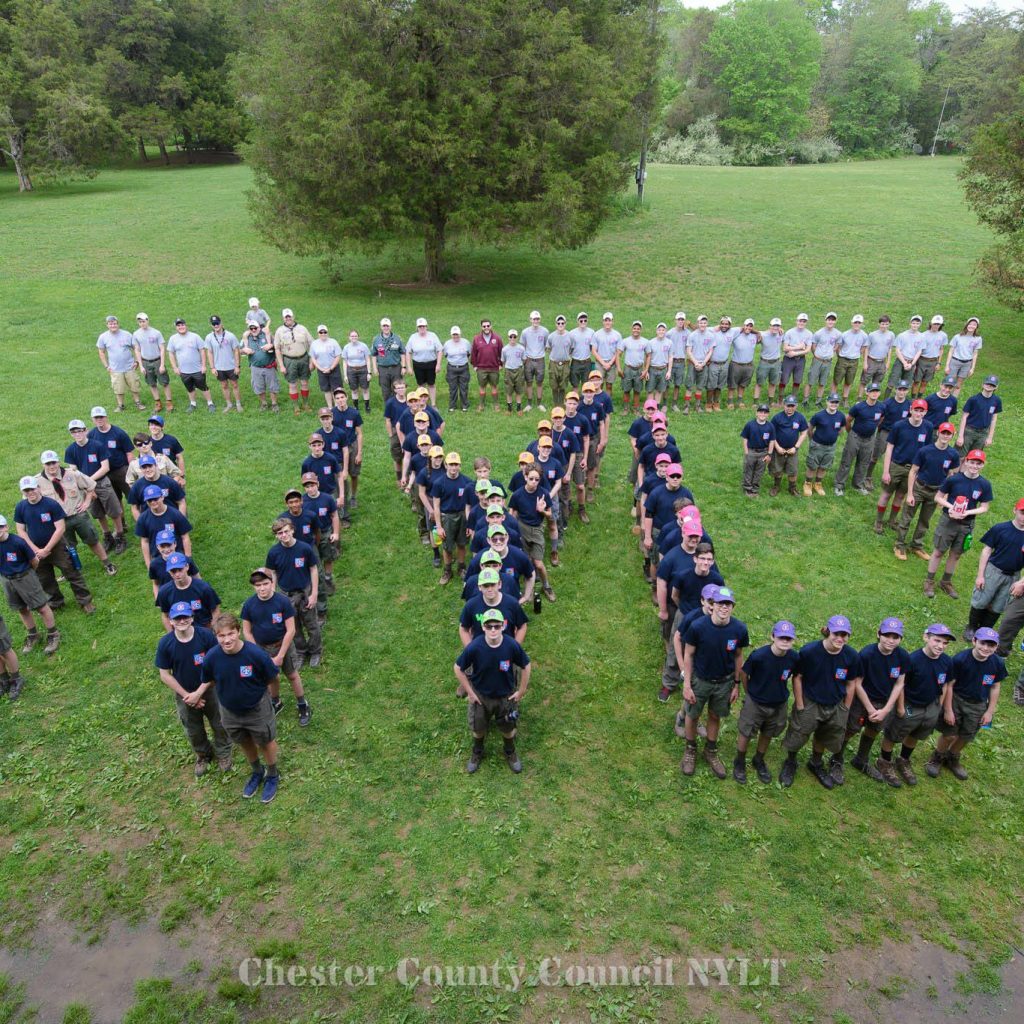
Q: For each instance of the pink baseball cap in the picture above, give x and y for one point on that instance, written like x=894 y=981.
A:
x=674 y=467
x=650 y=404
x=693 y=528
x=663 y=457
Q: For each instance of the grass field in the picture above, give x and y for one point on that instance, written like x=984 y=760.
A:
x=379 y=847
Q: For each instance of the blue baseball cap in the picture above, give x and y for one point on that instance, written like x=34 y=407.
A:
x=159 y=420
x=180 y=610
x=175 y=560
x=724 y=596
x=147 y=460
x=709 y=591
x=152 y=492
x=941 y=629
x=839 y=624
x=784 y=628
x=789 y=400
x=891 y=625
x=986 y=633
x=166 y=537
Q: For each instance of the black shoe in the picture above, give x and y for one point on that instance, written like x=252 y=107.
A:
x=739 y=771
x=821 y=774
x=305 y=714
x=513 y=761
x=437 y=561
x=763 y=774
x=16 y=687
x=477 y=755
x=788 y=773
x=835 y=769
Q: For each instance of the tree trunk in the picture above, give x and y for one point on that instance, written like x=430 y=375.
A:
x=435 y=269
x=163 y=150
x=17 y=150
x=142 y=150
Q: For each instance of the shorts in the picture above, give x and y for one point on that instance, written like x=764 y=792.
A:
x=194 y=382
x=454 y=525
x=793 y=368
x=631 y=379
x=395 y=447
x=80 y=528
x=898 y=477
x=258 y=724
x=154 y=375
x=826 y=723
x=968 y=718
x=784 y=465
x=126 y=381
x=925 y=370
x=296 y=368
x=819 y=372
x=918 y=723
x=514 y=382
x=875 y=372
x=6 y=641
x=996 y=595
x=533 y=371
x=820 y=456
x=327 y=549
x=487 y=378
x=288 y=666
x=769 y=371
x=960 y=368
x=106 y=502
x=740 y=374
x=425 y=371
x=678 y=374
x=25 y=592
x=699 y=378
x=845 y=371
x=354 y=468
x=610 y=374
x=766 y=719
x=657 y=379
x=857 y=718
x=329 y=381
x=713 y=693
x=479 y=715
x=358 y=377
x=579 y=474
x=950 y=535
x=264 y=380
x=532 y=540
x=223 y=375
x=718 y=375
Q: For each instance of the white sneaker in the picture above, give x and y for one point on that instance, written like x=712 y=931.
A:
x=542 y=409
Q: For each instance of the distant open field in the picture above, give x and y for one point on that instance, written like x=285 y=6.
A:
x=885 y=905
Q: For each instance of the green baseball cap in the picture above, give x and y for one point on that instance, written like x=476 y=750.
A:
x=490 y=557
x=482 y=486
x=492 y=615
x=488 y=576
x=495 y=509
x=496 y=530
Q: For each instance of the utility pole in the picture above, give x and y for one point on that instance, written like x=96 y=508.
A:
x=938 y=127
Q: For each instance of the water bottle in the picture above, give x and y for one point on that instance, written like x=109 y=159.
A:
x=537 y=606
x=73 y=555
x=968 y=541
x=435 y=537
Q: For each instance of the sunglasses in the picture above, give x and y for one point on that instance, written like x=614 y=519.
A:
x=321 y=332
x=493 y=625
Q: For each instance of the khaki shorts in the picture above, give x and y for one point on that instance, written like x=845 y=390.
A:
x=826 y=724
x=857 y=718
x=714 y=693
x=288 y=666
x=718 y=375
x=514 y=382
x=480 y=715
x=258 y=724
x=898 y=476
x=296 y=368
x=769 y=371
x=631 y=379
x=845 y=371
x=533 y=540
x=106 y=502
x=610 y=374
x=25 y=592
x=820 y=456
x=950 y=535
x=784 y=465
x=487 y=378
x=678 y=375
x=762 y=718
x=127 y=381
x=6 y=641
x=968 y=718
x=925 y=370
x=264 y=380
x=918 y=723
x=819 y=372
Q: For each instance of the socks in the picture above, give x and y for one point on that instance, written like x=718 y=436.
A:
x=947 y=577
x=271 y=771
x=864 y=747
x=815 y=760
x=509 y=745
x=906 y=752
x=740 y=759
x=930 y=576
x=791 y=757
x=711 y=745
x=886 y=754
x=256 y=766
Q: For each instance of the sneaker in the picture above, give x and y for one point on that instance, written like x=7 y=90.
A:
x=549 y=594
x=52 y=642
x=270 y=789
x=305 y=714
x=714 y=762
x=224 y=764
x=863 y=490
x=314 y=659
x=527 y=408
x=254 y=783
x=542 y=408
x=934 y=764
x=437 y=561
x=191 y=407
x=88 y=608
x=120 y=544
x=510 y=755
x=739 y=771
x=689 y=762
x=839 y=491
x=554 y=559
x=238 y=406
x=109 y=568
x=774 y=491
x=228 y=408
x=446 y=578
x=475 y=757
x=836 y=770
x=821 y=774
x=675 y=408
x=763 y=774
x=31 y=639
x=788 y=773
x=202 y=766
x=888 y=772
x=808 y=491
x=954 y=765
x=900 y=553
x=906 y=771
x=354 y=503
x=879 y=527
x=946 y=586
x=663 y=694
x=929 y=588
x=277 y=705
x=865 y=766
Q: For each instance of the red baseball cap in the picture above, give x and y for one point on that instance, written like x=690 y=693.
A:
x=1019 y=507
x=975 y=455
x=947 y=428
x=919 y=403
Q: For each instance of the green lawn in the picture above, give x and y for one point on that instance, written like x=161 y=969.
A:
x=379 y=847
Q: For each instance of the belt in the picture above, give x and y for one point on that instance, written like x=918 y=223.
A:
x=735 y=363
x=298 y=593
x=775 y=360
x=905 y=465
x=819 y=359
x=18 y=575
x=719 y=362
x=559 y=362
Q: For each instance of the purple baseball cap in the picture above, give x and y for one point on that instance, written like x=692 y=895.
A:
x=891 y=626
x=724 y=596
x=709 y=592
x=839 y=624
x=940 y=629
x=784 y=628
x=986 y=633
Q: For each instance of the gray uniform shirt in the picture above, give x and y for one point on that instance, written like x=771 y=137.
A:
x=853 y=341
x=932 y=344
x=743 y=347
x=879 y=343
x=771 y=345
x=825 y=341
x=635 y=350
x=607 y=343
x=150 y=341
x=582 y=339
x=560 y=346
x=456 y=352
x=534 y=339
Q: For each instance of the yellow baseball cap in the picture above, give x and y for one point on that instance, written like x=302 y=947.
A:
x=453 y=459
x=435 y=450
x=558 y=413
x=525 y=457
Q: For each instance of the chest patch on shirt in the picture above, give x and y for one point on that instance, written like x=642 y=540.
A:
x=277 y=618
x=44 y=517
x=198 y=658
x=245 y=671
x=894 y=672
x=730 y=645
x=300 y=562
x=988 y=680
x=941 y=678
x=504 y=666
x=841 y=674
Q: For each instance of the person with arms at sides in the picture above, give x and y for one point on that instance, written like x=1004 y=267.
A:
x=188 y=360
x=226 y=356
x=877 y=355
x=117 y=351
x=263 y=376
x=978 y=423
x=158 y=517
x=296 y=566
x=153 y=354
x=201 y=598
x=931 y=465
x=452 y=495
x=355 y=358
x=24 y=592
x=964 y=349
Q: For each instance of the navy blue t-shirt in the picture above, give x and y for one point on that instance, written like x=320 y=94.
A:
x=567 y=443
x=935 y=464
x=651 y=451
x=964 y=493
x=881 y=671
x=907 y=440
x=150 y=524
x=168 y=446
x=579 y=426
x=480 y=540
x=86 y=458
x=173 y=492
x=556 y=453
x=940 y=409
x=660 y=504
x=411 y=442
x=509 y=606
x=515 y=565
x=158 y=570
x=15 y=555
x=551 y=471
x=893 y=412
x=347 y=422
x=322 y=509
x=715 y=647
x=40 y=519
x=973 y=679
x=116 y=444
x=241 y=679
x=407 y=425
x=393 y=410
x=524 y=504
x=979 y=410
x=491 y=670
x=454 y=495
x=595 y=415
x=865 y=418
x=326 y=467
x=185 y=659
x=306 y=525
x=827 y=426
x=293 y=565
x=689 y=585
x=269 y=619
x=769 y=674
x=1007 y=544
x=334 y=441
x=758 y=436
x=926 y=677
x=199 y=594
x=825 y=676
x=788 y=428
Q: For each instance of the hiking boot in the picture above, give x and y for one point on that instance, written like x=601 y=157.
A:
x=906 y=771
x=836 y=770
x=739 y=771
x=475 y=757
x=202 y=766
x=689 y=762
x=17 y=685
x=663 y=694
x=946 y=586
x=224 y=764
x=865 y=766
x=31 y=639
x=888 y=772
x=584 y=518
x=788 y=773
x=819 y=489
x=446 y=578
x=512 y=758
x=934 y=764
x=270 y=789
x=549 y=594
x=900 y=553
x=89 y=608
x=680 y=726
x=794 y=491
x=714 y=761
x=437 y=561
x=555 y=561
x=774 y=491
x=929 y=588
x=52 y=642
x=879 y=527
x=808 y=490
x=314 y=659
x=169 y=405
x=305 y=714
x=254 y=783
x=120 y=544
x=5 y=685
x=763 y=774
x=1018 y=695
x=954 y=765
x=821 y=774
